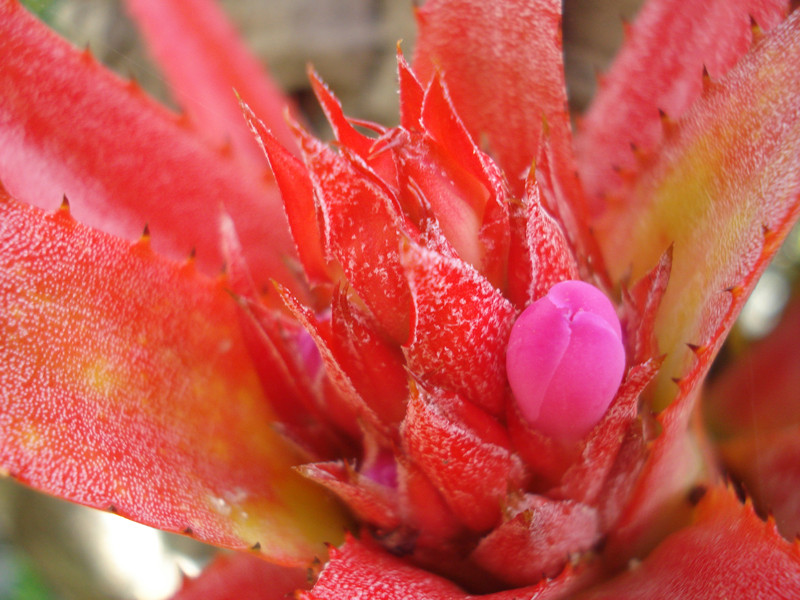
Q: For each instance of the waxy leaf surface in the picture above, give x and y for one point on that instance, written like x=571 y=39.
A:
x=724 y=190
x=126 y=386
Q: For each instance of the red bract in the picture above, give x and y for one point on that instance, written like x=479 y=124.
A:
x=375 y=363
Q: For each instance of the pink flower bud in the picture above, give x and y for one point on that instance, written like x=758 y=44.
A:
x=565 y=360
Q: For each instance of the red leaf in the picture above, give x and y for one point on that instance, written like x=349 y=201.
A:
x=464 y=452
x=460 y=163
x=537 y=539
x=345 y=133
x=362 y=227
x=640 y=306
x=68 y=126
x=727 y=552
x=360 y=571
x=375 y=366
x=347 y=407
x=660 y=67
x=502 y=63
x=117 y=364
x=423 y=506
x=207 y=66
x=297 y=192
x=357 y=570
x=461 y=329
x=726 y=187
x=243 y=577
x=411 y=95
x=539 y=256
x=371 y=501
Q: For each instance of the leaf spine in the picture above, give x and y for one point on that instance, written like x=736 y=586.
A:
x=707 y=82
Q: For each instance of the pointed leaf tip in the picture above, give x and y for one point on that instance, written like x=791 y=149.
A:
x=729 y=171
x=670 y=54
x=503 y=66
x=727 y=552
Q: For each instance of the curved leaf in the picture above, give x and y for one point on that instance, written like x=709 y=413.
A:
x=68 y=126
x=502 y=64
x=727 y=552
x=207 y=66
x=243 y=577
x=725 y=191
x=660 y=68
x=358 y=570
x=126 y=386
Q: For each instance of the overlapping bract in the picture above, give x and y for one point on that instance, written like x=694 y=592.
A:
x=381 y=346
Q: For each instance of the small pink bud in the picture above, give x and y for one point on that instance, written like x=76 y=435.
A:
x=565 y=360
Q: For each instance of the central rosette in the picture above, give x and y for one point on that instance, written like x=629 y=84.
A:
x=391 y=374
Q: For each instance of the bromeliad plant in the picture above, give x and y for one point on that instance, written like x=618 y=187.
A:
x=475 y=345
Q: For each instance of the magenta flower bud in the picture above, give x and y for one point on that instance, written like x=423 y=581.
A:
x=565 y=360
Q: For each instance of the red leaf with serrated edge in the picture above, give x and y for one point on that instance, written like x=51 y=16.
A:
x=348 y=136
x=661 y=67
x=207 y=66
x=502 y=63
x=460 y=330
x=488 y=201
x=68 y=126
x=464 y=452
x=362 y=231
x=345 y=133
x=444 y=192
x=243 y=577
x=118 y=364
x=705 y=194
x=640 y=307
x=727 y=552
x=539 y=255
x=540 y=534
